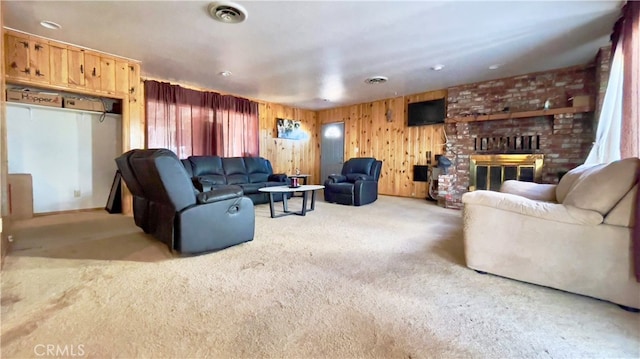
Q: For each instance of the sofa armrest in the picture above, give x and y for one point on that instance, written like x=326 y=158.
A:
x=353 y=177
x=337 y=178
x=220 y=194
x=528 y=207
x=530 y=190
x=278 y=177
x=201 y=185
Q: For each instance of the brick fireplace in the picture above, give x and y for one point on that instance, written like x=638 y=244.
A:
x=508 y=116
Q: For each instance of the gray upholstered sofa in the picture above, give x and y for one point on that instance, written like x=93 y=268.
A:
x=575 y=236
x=249 y=173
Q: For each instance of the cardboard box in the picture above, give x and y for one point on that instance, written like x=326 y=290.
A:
x=33 y=97
x=581 y=101
x=83 y=104
x=20 y=193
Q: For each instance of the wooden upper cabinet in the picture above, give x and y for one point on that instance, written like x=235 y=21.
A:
x=92 y=69
x=39 y=60
x=75 y=67
x=58 y=69
x=134 y=81
x=108 y=75
x=32 y=59
x=17 y=56
x=122 y=77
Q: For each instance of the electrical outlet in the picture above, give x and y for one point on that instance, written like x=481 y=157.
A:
x=76 y=193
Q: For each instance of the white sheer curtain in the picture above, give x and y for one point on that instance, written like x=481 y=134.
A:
x=607 y=145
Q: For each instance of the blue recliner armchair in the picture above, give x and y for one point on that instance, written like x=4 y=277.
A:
x=176 y=213
x=357 y=185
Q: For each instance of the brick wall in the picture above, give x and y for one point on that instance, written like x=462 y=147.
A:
x=565 y=139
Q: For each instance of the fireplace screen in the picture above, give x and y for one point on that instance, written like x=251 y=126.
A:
x=489 y=171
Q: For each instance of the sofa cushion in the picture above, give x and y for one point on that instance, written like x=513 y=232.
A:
x=601 y=187
x=235 y=170
x=358 y=165
x=257 y=169
x=352 y=177
x=531 y=190
x=212 y=179
x=528 y=207
x=340 y=188
x=622 y=213
x=206 y=165
x=569 y=179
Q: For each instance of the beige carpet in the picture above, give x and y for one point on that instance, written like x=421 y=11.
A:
x=385 y=280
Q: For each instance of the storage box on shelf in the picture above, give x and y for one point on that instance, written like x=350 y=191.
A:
x=84 y=104
x=34 y=97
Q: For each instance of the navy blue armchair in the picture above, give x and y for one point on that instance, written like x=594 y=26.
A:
x=356 y=185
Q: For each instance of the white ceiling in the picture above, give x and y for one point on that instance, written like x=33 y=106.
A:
x=317 y=54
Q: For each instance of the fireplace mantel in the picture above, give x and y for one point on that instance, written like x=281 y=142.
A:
x=523 y=114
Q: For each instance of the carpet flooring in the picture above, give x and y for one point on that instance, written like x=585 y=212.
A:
x=386 y=280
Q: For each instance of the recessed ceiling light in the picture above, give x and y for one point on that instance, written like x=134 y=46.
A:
x=50 y=25
x=227 y=12
x=376 y=80
x=225 y=73
x=437 y=67
x=494 y=66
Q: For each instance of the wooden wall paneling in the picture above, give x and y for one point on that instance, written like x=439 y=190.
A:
x=287 y=155
x=399 y=147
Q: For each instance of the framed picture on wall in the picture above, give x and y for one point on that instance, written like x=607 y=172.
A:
x=290 y=129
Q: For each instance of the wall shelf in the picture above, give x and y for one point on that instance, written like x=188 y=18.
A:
x=64 y=109
x=523 y=114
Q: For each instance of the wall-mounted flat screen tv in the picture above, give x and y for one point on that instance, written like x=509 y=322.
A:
x=426 y=112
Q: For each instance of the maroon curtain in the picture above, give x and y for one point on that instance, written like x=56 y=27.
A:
x=175 y=119
x=630 y=141
x=191 y=122
x=626 y=33
x=238 y=119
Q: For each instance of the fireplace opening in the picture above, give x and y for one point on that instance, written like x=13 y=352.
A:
x=488 y=172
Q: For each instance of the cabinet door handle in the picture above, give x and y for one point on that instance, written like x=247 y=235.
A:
x=37 y=47
x=81 y=69
x=38 y=73
x=14 y=65
x=25 y=44
x=132 y=90
x=26 y=71
x=94 y=72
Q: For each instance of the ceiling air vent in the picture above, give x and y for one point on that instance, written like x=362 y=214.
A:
x=227 y=12
x=376 y=80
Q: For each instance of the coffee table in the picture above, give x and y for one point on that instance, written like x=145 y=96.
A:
x=305 y=189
